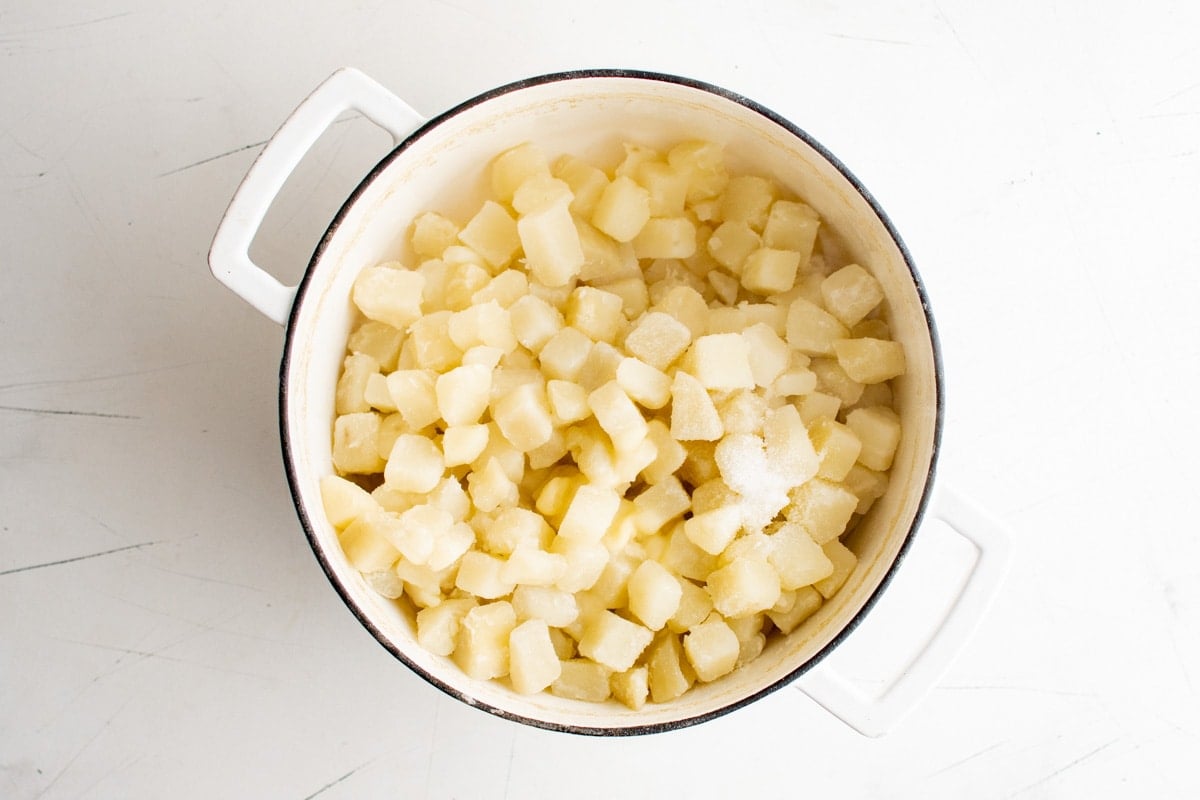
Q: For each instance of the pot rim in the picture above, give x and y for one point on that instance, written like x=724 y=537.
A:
x=290 y=340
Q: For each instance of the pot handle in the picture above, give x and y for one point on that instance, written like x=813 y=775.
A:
x=875 y=716
x=229 y=256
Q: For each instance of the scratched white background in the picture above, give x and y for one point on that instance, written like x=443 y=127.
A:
x=164 y=629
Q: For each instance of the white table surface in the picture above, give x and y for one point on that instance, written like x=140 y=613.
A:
x=165 y=630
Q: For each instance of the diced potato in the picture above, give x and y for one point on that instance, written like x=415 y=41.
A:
x=768 y=270
x=726 y=287
x=378 y=340
x=654 y=594
x=631 y=687
x=564 y=354
x=851 y=293
x=589 y=514
x=553 y=253
x=482 y=645
x=669 y=677
x=437 y=627
x=746 y=586
x=699 y=466
x=344 y=501
x=389 y=293
x=649 y=386
x=686 y=559
x=618 y=416
x=636 y=157
x=585 y=562
x=712 y=531
x=867 y=484
x=687 y=305
x=695 y=604
x=582 y=679
x=354 y=447
x=659 y=504
x=822 y=508
x=721 y=361
x=844 y=562
x=669 y=454
x=693 y=415
x=879 y=429
x=482 y=324
x=832 y=379
x=667 y=187
x=511 y=460
x=585 y=181
x=515 y=166
x=622 y=209
x=510 y=529
x=600 y=366
x=789 y=448
x=837 y=448
x=795 y=382
x=533 y=664
x=492 y=233
x=480 y=574
x=658 y=339
x=365 y=545
x=376 y=393
x=390 y=427
x=613 y=641
x=349 y=396
x=797 y=558
x=596 y=312
x=870 y=360
x=417 y=529
x=462 y=444
x=818 y=404
x=712 y=648
x=414 y=396
x=792 y=226
x=568 y=401
x=747 y=198
x=463 y=393
x=534 y=321
x=604 y=259
x=704 y=164
x=451 y=546
x=811 y=329
x=556 y=607
x=665 y=237
x=805 y=602
x=732 y=243
x=538 y=191
x=523 y=416
x=491 y=487
x=635 y=298
x=432 y=233
x=430 y=343
x=506 y=288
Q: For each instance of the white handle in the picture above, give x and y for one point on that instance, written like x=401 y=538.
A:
x=876 y=716
x=229 y=257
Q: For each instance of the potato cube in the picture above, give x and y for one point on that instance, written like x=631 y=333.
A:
x=805 y=602
x=534 y=321
x=596 y=312
x=732 y=243
x=389 y=293
x=666 y=237
x=365 y=544
x=789 y=449
x=744 y=587
x=533 y=664
x=795 y=382
x=568 y=401
x=712 y=648
x=593 y=454
x=482 y=644
x=515 y=166
x=618 y=416
x=870 y=360
x=823 y=508
x=851 y=293
x=538 y=191
x=695 y=604
x=611 y=589
x=437 y=627
x=693 y=415
x=600 y=366
x=797 y=558
x=482 y=324
x=712 y=531
x=768 y=270
x=747 y=198
x=585 y=562
x=492 y=233
x=479 y=574
x=416 y=529
x=622 y=209
x=684 y=558
x=815 y=405
x=589 y=514
x=510 y=529
x=649 y=386
x=462 y=444
x=344 y=501
x=582 y=679
x=605 y=260
x=635 y=298
x=844 y=562
x=669 y=454
x=354 y=443
x=523 y=416
x=511 y=460
x=792 y=226
x=636 y=157
x=726 y=288
x=878 y=429
x=491 y=487
x=376 y=394
x=585 y=181
x=687 y=305
x=867 y=485
x=378 y=340
x=430 y=342
x=553 y=253
x=658 y=339
x=721 y=361
x=699 y=466
x=659 y=504
x=613 y=641
x=450 y=546
x=505 y=289
x=564 y=354
x=669 y=676
x=654 y=594
x=631 y=687
x=836 y=446
x=349 y=396
x=811 y=329
x=667 y=187
x=704 y=164
x=558 y=608
x=832 y=379
x=463 y=393
x=432 y=233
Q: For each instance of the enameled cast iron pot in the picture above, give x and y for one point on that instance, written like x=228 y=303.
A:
x=438 y=164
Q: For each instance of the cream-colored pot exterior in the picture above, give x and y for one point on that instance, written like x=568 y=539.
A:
x=440 y=166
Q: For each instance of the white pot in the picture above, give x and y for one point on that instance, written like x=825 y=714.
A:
x=437 y=164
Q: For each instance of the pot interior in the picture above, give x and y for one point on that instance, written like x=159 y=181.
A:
x=442 y=168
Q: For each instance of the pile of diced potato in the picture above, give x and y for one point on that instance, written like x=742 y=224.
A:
x=605 y=435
